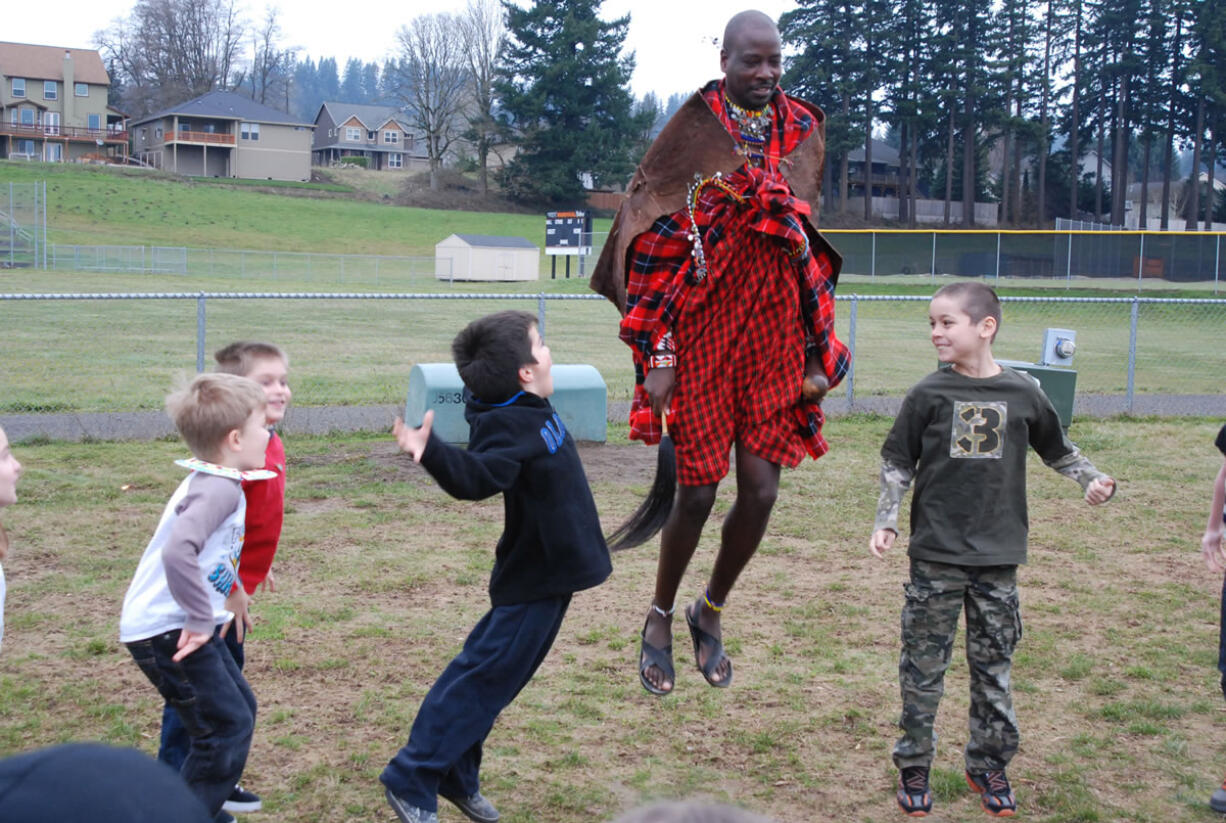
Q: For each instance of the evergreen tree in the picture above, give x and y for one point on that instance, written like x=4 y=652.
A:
x=563 y=87
x=351 y=90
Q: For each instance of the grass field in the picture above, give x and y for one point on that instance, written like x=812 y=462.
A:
x=380 y=575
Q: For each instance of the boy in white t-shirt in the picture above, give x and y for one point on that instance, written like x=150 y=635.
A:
x=182 y=599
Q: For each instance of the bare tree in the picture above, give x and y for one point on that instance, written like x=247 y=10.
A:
x=482 y=32
x=271 y=66
x=432 y=82
x=172 y=50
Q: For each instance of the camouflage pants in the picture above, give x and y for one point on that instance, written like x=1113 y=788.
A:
x=936 y=596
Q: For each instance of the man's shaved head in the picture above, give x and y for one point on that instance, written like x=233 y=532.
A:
x=751 y=59
x=744 y=21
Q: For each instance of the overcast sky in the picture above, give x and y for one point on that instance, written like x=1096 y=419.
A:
x=675 y=41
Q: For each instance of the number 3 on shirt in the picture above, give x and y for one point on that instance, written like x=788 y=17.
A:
x=978 y=430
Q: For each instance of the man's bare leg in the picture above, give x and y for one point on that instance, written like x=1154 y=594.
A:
x=757 y=486
x=678 y=540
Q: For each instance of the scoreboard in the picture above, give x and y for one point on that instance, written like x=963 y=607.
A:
x=568 y=232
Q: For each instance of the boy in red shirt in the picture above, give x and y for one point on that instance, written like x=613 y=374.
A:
x=268 y=365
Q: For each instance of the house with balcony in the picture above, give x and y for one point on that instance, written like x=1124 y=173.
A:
x=222 y=134
x=54 y=108
x=378 y=133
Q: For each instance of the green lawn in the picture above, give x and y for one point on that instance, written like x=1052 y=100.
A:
x=380 y=575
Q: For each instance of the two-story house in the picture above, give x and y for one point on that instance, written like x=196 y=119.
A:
x=53 y=105
x=222 y=134
x=378 y=133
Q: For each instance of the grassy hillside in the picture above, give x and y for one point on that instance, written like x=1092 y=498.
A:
x=99 y=205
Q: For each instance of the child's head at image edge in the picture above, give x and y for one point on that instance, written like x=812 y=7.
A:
x=266 y=364
x=502 y=353
x=221 y=418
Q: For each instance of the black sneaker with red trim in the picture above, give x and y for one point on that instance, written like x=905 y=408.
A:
x=994 y=792
x=914 y=796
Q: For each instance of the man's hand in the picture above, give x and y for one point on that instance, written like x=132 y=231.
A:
x=414 y=440
x=189 y=642
x=1100 y=490
x=267 y=583
x=659 y=384
x=881 y=542
x=238 y=602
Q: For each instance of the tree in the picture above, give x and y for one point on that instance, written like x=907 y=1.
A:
x=564 y=88
x=271 y=73
x=167 y=51
x=431 y=83
x=481 y=30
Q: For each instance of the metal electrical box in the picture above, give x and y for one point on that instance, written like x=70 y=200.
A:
x=1058 y=384
x=580 y=397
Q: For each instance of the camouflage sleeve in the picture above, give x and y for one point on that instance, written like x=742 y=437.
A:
x=1078 y=467
x=895 y=480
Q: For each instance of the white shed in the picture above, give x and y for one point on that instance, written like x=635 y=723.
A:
x=484 y=257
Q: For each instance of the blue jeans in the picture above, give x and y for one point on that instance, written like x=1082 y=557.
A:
x=504 y=650
x=212 y=701
x=173 y=749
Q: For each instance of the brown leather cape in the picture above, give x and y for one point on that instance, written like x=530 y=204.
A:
x=694 y=141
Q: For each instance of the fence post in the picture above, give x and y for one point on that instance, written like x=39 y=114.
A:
x=998 y=258
x=872 y=265
x=200 y=333
x=540 y=315
x=12 y=227
x=1217 y=259
x=934 y=257
x=851 y=349
x=1141 y=262
x=1132 y=355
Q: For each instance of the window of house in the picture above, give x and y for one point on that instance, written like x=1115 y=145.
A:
x=80 y=89
x=51 y=90
x=157 y=133
x=370 y=135
x=353 y=134
x=250 y=131
x=19 y=87
x=27 y=117
x=95 y=122
x=54 y=152
x=51 y=122
x=25 y=147
x=395 y=160
x=391 y=136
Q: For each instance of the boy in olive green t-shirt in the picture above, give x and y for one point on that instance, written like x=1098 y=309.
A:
x=962 y=435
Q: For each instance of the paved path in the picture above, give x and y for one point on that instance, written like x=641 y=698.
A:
x=324 y=419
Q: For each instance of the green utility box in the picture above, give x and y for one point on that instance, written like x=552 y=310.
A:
x=579 y=396
x=1059 y=384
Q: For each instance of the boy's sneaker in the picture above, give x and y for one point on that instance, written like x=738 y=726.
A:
x=224 y=816
x=406 y=811
x=475 y=807
x=242 y=801
x=994 y=792
x=914 y=796
x=1217 y=801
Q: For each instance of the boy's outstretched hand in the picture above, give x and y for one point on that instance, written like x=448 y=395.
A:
x=414 y=440
x=881 y=542
x=1100 y=490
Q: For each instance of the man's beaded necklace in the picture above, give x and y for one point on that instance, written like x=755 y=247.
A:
x=753 y=125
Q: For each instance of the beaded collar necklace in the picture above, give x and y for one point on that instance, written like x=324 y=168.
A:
x=753 y=124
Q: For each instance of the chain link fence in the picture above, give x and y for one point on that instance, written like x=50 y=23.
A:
x=23 y=225
x=79 y=354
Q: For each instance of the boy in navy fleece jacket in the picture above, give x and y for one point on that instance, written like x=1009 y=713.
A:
x=551 y=547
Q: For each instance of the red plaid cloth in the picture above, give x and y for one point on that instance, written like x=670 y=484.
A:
x=741 y=333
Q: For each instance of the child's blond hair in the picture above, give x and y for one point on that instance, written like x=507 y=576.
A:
x=239 y=358
x=212 y=406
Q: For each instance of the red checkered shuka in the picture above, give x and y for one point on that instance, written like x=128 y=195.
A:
x=740 y=333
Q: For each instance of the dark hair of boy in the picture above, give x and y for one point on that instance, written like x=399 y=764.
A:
x=239 y=358
x=978 y=300
x=489 y=351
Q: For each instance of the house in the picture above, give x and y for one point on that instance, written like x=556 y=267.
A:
x=53 y=105
x=484 y=257
x=378 y=133
x=222 y=134
x=885 y=178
